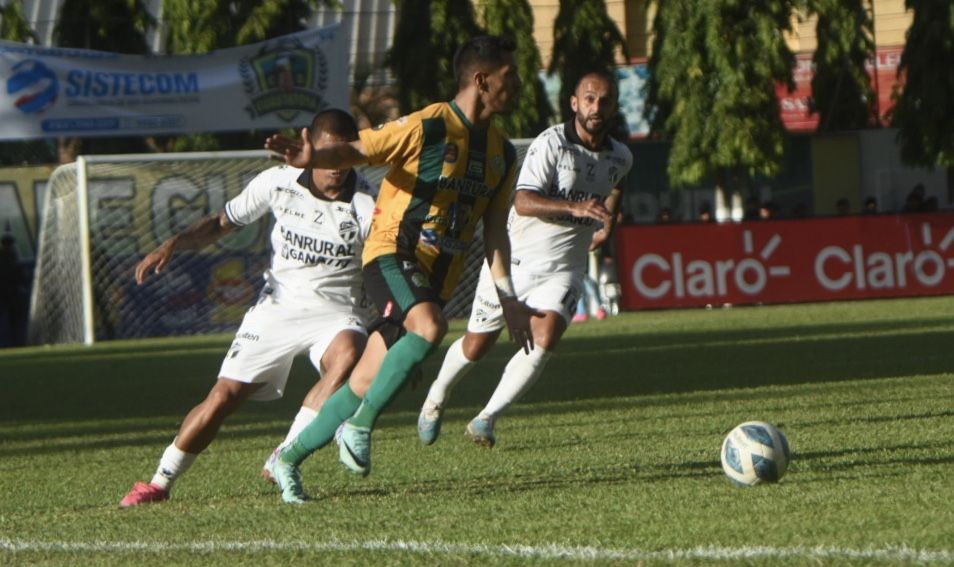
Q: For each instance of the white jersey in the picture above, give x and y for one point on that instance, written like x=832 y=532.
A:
x=559 y=166
x=316 y=243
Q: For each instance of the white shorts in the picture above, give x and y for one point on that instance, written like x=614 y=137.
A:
x=557 y=291
x=272 y=334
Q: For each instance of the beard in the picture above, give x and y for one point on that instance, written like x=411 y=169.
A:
x=591 y=126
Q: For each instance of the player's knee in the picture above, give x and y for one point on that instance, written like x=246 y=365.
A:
x=427 y=321
x=477 y=345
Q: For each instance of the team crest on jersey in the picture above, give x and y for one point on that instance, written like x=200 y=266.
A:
x=497 y=165
x=451 y=153
x=348 y=230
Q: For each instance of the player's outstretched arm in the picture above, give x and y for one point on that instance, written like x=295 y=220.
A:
x=303 y=154
x=534 y=204
x=201 y=233
x=517 y=314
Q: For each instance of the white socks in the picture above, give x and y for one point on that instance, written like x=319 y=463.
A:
x=519 y=375
x=455 y=367
x=304 y=417
x=174 y=462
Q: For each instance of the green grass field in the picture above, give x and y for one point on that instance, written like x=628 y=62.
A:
x=613 y=458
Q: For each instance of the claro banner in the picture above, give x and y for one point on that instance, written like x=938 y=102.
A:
x=49 y=92
x=855 y=257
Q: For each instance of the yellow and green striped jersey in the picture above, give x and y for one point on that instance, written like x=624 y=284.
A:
x=444 y=174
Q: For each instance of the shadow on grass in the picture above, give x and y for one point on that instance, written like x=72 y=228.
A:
x=153 y=385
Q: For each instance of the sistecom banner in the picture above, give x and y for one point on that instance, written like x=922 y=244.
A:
x=788 y=261
x=50 y=92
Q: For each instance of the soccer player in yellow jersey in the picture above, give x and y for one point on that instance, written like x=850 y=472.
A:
x=450 y=167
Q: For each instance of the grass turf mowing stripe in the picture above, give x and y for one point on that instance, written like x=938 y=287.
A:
x=889 y=554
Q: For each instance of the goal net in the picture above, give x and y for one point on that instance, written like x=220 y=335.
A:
x=102 y=214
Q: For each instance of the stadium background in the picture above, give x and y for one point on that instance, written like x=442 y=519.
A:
x=819 y=169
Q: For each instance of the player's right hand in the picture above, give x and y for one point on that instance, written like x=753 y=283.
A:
x=592 y=209
x=156 y=260
x=519 y=316
x=296 y=153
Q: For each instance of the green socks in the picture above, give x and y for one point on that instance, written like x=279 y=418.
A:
x=401 y=360
x=339 y=407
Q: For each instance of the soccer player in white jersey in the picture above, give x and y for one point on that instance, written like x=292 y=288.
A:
x=312 y=299
x=570 y=183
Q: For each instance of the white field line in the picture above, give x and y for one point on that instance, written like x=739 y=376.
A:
x=889 y=554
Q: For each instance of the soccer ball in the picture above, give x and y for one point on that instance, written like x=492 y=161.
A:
x=755 y=452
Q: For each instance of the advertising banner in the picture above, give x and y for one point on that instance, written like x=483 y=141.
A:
x=824 y=259
x=52 y=92
x=795 y=109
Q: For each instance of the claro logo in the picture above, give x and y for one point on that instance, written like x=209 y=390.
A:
x=656 y=276
x=837 y=267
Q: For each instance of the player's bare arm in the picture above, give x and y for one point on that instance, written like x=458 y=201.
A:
x=534 y=204
x=201 y=233
x=497 y=248
x=612 y=205
x=303 y=154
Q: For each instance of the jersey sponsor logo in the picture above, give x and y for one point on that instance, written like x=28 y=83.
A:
x=475 y=168
x=464 y=186
x=289 y=191
x=248 y=336
x=289 y=212
x=430 y=237
x=571 y=194
x=488 y=303
x=315 y=251
x=451 y=153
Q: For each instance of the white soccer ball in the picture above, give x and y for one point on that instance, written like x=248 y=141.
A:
x=755 y=452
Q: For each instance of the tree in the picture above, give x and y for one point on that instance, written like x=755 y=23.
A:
x=104 y=25
x=200 y=26
x=511 y=18
x=13 y=25
x=841 y=88
x=584 y=37
x=421 y=57
x=717 y=71
x=923 y=112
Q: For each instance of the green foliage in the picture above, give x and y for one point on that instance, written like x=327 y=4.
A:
x=842 y=94
x=512 y=18
x=717 y=71
x=13 y=25
x=118 y=26
x=584 y=37
x=422 y=55
x=200 y=26
x=612 y=459
x=923 y=111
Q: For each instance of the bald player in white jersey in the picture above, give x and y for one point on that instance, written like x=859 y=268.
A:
x=312 y=300
x=569 y=184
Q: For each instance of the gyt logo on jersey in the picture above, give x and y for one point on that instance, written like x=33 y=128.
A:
x=34 y=85
x=285 y=78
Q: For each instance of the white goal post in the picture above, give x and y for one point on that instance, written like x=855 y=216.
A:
x=102 y=214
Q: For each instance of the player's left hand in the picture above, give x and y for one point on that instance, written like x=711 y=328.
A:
x=519 y=316
x=599 y=237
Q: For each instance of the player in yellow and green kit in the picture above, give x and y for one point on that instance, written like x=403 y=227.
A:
x=450 y=167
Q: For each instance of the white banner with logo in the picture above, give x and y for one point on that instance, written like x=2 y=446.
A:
x=52 y=92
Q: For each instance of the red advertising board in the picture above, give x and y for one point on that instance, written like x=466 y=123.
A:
x=794 y=106
x=825 y=259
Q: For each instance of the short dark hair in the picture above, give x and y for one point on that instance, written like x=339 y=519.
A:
x=604 y=73
x=334 y=121
x=480 y=51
